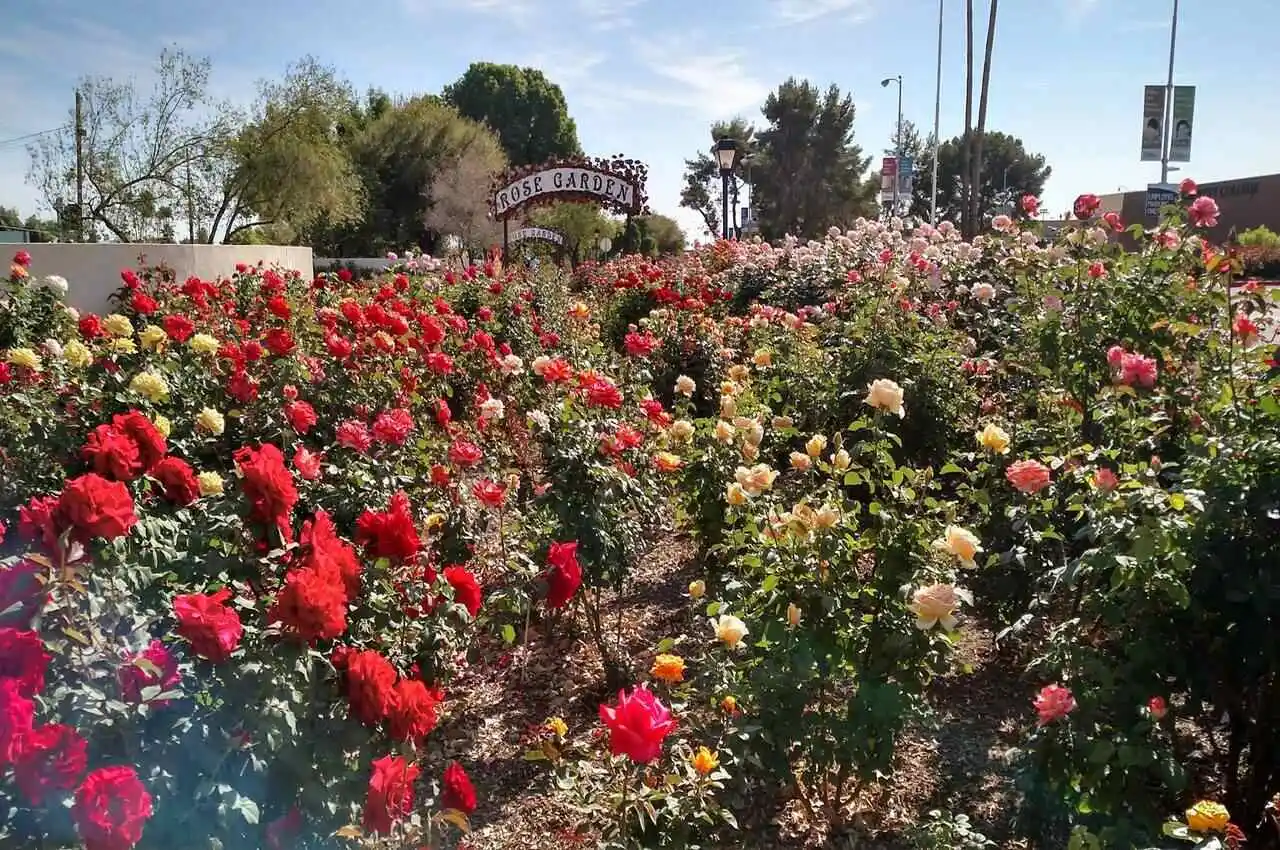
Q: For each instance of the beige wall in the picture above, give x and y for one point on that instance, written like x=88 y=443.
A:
x=93 y=271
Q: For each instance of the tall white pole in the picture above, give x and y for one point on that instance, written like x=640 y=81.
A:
x=937 y=124
x=1167 y=141
x=897 y=144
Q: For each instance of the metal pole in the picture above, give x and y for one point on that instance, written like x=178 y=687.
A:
x=937 y=122
x=1167 y=137
x=79 y=168
x=724 y=197
x=897 y=144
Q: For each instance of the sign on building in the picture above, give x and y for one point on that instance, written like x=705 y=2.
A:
x=1158 y=196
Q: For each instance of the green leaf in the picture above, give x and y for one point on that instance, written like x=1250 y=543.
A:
x=508 y=634
x=666 y=645
x=76 y=636
x=770 y=582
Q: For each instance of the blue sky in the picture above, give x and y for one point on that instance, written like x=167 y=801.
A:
x=646 y=77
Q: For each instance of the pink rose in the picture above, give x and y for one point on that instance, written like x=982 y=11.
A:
x=1204 y=212
x=1054 y=702
x=1028 y=476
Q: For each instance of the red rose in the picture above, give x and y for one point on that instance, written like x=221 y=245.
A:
x=17 y=713
x=301 y=416
x=144 y=433
x=393 y=426
x=49 y=758
x=22 y=258
x=370 y=686
x=282 y=832
x=464 y=453
x=488 y=493
x=112 y=806
x=637 y=725
x=325 y=551
x=213 y=629
x=112 y=453
x=23 y=660
x=414 y=711
x=457 y=791
x=466 y=590
x=143 y=303
x=312 y=604
x=177 y=481
x=563 y=575
x=354 y=435
x=160 y=671
x=178 y=327
x=22 y=593
x=242 y=387
x=390 y=796
x=442 y=413
x=36 y=521
x=279 y=307
x=439 y=475
x=1085 y=206
x=94 y=507
x=130 y=278
x=267 y=482
x=307 y=463
x=278 y=341
x=390 y=533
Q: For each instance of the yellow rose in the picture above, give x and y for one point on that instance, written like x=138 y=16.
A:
x=800 y=461
x=150 y=386
x=210 y=421
x=734 y=494
x=434 y=521
x=884 y=394
x=728 y=407
x=685 y=385
x=121 y=345
x=681 y=429
x=77 y=354
x=935 y=604
x=579 y=311
x=730 y=630
x=793 y=615
x=1206 y=816
x=203 y=344
x=728 y=388
x=825 y=517
x=667 y=462
x=704 y=761
x=163 y=425
x=152 y=337
x=755 y=480
x=724 y=431
x=750 y=452
x=729 y=704
x=815 y=445
x=762 y=357
x=739 y=372
x=698 y=589
x=118 y=325
x=24 y=357
x=841 y=460
x=668 y=668
x=961 y=543
x=994 y=438
x=210 y=483
x=557 y=727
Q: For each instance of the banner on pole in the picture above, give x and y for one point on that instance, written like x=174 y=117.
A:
x=906 y=177
x=888 y=176
x=1152 y=123
x=1184 y=112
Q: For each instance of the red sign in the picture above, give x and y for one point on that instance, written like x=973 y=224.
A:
x=889 y=166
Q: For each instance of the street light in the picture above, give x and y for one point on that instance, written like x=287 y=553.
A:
x=726 y=150
x=897 y=139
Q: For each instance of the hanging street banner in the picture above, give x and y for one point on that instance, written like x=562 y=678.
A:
x=1152 y=123
x=888 y=174
x=906 y=177
x=1184 y=112
x=538 y=234
x=1158 y=196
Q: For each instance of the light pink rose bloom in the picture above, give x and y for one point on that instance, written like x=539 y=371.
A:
x=1028 y=476
x=1054 y=702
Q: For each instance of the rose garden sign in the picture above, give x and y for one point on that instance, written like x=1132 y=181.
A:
x=615 y=184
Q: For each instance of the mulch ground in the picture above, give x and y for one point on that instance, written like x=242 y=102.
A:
x=962 y=766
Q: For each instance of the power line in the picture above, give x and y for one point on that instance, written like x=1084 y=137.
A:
x=16 y=139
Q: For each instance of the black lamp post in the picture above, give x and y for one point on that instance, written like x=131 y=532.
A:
x=726 y=150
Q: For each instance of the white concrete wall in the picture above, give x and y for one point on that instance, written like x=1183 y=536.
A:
x=93 y=270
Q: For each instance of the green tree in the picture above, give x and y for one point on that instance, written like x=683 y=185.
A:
x=525 y=109
x=582 y=225
x=664 y=233
x=702 y=183
x=1008 y=171
x=808 y=174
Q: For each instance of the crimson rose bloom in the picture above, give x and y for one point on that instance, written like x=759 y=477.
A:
x=326 y=552
x=414 y=711
x=36 y=521
x=268 y=484
x=177 y=481
x=178 y=327
x=90 y=326
x=112 y=806
x=312 y=604
x=17 y=714
x=489 y=493
x=457 y=792
x=94 y=507
x=144 y=433
x=49 y=758
x=370 y=686
x=563 y=575
x=464 y=453
x=112 y=453
x=213 y=628
x=134 y=676
x=278 y=341
x=301 y=415
x=22 y=593
x=637 y=725
x=393 y=426
x=23 y=660
x=390 y=533
x=307 y=463
x=466 y=590
x=390 y=793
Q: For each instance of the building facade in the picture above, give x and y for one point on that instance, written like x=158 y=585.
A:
x=1243 y=204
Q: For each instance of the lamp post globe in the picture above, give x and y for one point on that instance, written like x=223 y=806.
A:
x=726 y=153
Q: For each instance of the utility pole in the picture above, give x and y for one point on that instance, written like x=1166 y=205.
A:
x=937 y=122
x=1166 y=142
x=191 y=209
x=79 y=167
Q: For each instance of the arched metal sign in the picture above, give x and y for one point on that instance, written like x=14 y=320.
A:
x=539 y=234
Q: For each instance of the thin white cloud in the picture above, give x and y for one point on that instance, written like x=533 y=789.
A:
x=609 y=14
x=710 y=83
x=808 y=11
x=521 y=13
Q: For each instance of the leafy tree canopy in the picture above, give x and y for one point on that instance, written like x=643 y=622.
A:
x=525 y=109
